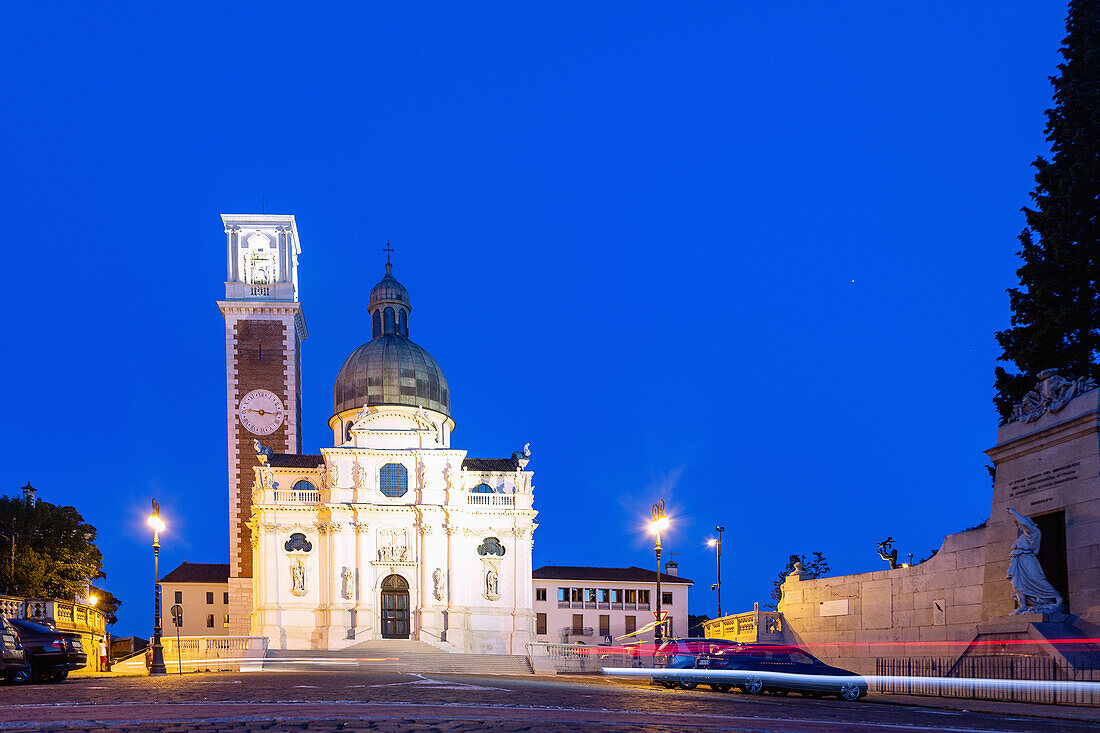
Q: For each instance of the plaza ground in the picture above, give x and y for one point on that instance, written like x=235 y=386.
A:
x=308 y=699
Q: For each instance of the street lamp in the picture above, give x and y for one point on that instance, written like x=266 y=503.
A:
x=658 y=525
x=156 y=667
x=718 y=586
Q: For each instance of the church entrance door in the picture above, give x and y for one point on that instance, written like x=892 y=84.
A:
x=395 y=608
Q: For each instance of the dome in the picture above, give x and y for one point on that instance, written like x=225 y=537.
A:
x=391 y=370
x=389 y=289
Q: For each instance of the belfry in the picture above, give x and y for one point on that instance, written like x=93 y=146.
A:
x=390 y=533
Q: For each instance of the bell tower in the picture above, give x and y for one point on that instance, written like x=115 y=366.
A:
x=264 y=330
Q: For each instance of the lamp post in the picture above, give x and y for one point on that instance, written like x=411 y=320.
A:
x=656 y=526
x=156 y=667
x=717 y=544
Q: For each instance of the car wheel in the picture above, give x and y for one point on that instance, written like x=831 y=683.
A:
x=688 y=685
x=719 y=687
x=26 y=674
x=850 y=691
x=753 y=685
x=61 y=676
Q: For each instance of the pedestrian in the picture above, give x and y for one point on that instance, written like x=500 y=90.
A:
x=102 y=655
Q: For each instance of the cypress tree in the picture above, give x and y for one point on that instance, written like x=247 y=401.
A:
x=1056 y=310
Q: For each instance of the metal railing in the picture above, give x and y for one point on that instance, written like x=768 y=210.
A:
x=582 y=658
x=754 y=626
x=1009 y=678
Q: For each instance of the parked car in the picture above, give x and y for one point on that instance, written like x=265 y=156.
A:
x=684 y=654
x=11 y=652
x=49 y=653
x=778 y=670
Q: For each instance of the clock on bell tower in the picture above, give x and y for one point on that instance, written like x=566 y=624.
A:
x=264 y=329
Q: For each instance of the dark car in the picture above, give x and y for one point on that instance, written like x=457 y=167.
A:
x=684 y=654
x=11 y=652
x=50 y=653
x=778 y=670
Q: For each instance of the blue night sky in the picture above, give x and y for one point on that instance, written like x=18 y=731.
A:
x=748 y=257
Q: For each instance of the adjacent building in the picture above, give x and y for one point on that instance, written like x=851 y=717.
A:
x=585 y=604
x=201 y=590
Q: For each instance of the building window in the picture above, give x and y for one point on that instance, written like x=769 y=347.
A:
x=605 y=595
x=578 y=624
x=297 y=543
x=540 y=623
x=179 y=596
x=376 y=324
x=304 y=485
x=577 y=595
x=631 y=624
x=590 y=595
x=666 y=599
x=394 y=480
x=210 y=598
x=616 y=595
x=605 y=625
x=225 y=598
x=402 y=323
x=632 y=596
x=643 y=597
x=387 y=321
x=540 y=594
x=347 y=432
x=482 y=489
x=209 y=620
x=563 y=595
x=226 y=622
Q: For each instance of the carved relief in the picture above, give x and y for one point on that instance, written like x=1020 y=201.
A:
x=421 y=483
x=360 y=527
x=334 y=474
x=1051 y=394
x=393 y=544
x=448 y=477
x=363 y=478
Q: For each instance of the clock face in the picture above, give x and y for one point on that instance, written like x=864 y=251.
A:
x=261 y=411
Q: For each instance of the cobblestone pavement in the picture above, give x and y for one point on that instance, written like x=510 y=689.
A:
x=374 y=701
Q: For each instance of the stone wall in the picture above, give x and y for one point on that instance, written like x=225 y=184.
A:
x=850 y=620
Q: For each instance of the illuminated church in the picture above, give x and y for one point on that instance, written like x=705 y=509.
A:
x=390 y=533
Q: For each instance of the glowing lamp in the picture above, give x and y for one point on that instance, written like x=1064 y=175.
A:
x=156 y=522
x=658 y=525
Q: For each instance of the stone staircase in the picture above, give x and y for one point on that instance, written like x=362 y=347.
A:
x=396 y=655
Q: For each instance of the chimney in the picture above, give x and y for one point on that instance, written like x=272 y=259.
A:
x=672 y=568
x=29 y=494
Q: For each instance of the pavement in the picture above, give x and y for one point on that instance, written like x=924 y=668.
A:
x=299 y=700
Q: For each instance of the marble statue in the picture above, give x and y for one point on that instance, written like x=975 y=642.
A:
x=1032 y=590
x=437 y=583
x=263 y=452
x=348 y=585
x=297 y=577
x=492 y=585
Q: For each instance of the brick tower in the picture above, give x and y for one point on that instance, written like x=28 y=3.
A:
x=264 y=329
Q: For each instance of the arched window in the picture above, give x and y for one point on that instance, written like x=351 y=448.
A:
x=347 y=432
x=387 y=320
x=393 y=479
x=402 y=323
x=297 y=543
x=376 y=324
x=304 y=485
x=482 y=489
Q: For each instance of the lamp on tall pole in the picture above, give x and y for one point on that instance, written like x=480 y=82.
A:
x=656 y=526
x=156 y=667
x=718 y=586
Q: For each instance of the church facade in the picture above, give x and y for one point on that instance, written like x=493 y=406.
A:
x=389 y=533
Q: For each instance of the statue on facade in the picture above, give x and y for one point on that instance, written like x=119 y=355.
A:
x=438 y=584
x=1031 y=589
x=263 y=452
x=492 y=585
x=890 y=556
x=297 y=578
x=348 y=583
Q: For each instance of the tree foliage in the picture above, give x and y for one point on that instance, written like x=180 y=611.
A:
x=55 y=551
x=1056 y=310
x=815 y=567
